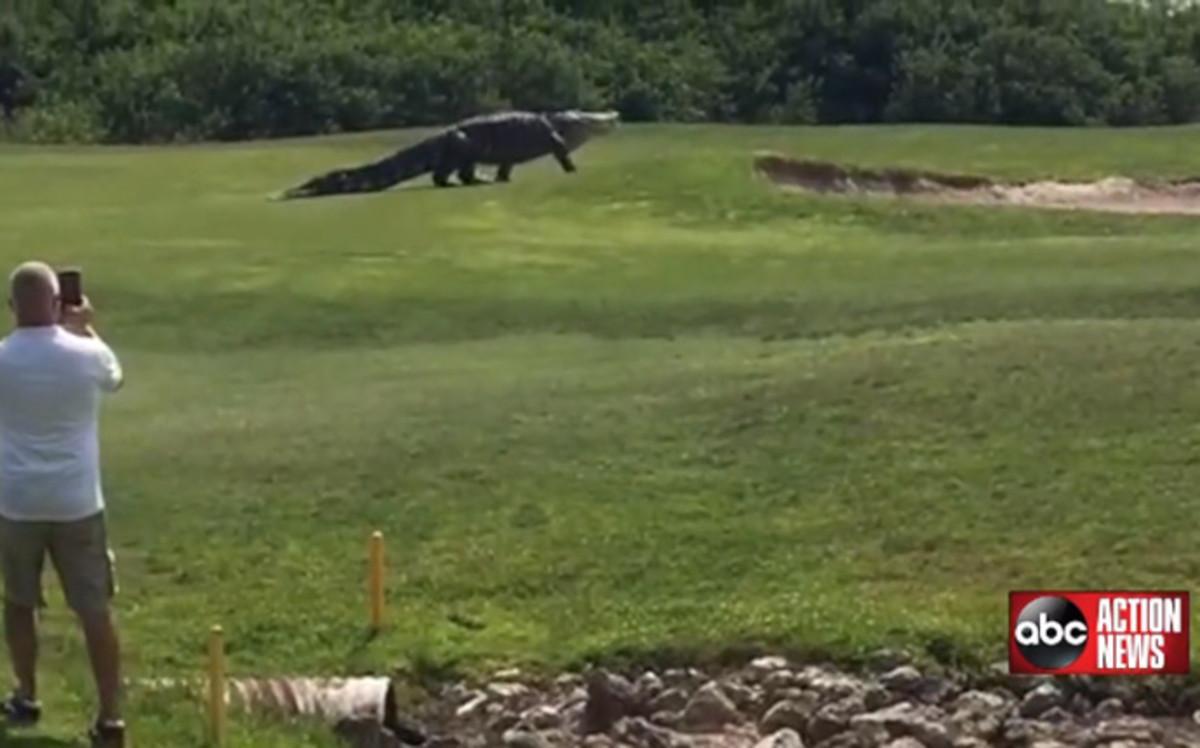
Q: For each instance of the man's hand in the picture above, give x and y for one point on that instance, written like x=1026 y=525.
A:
x=77 y=319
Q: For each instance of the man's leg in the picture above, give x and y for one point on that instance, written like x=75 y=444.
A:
x=80 y=553
x=20 y=630
x=22 y=553
x=104 y=651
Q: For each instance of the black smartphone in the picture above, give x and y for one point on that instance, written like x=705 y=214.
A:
x=70 y=286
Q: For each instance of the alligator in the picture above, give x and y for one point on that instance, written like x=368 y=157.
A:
x=503 y=139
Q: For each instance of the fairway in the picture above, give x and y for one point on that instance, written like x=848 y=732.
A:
x=656 y=408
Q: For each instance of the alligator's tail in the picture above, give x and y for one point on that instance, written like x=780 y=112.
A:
x=402 y=165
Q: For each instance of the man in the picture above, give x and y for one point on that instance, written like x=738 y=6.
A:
x=53 y=371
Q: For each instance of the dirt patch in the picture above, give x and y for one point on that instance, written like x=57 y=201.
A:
x=1113 y=194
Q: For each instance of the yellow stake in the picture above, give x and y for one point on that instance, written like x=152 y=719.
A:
x=375 y=580
x=216 y=686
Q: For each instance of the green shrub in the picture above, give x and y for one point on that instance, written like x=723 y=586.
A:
x=144 y=71
x=57 y=120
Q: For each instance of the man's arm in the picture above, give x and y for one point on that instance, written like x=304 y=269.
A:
x=78 y=321
x=109 y=373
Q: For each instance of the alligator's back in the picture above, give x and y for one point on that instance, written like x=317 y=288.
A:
x=508 y=137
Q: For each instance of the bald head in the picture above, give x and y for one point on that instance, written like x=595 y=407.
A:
x=33 y=294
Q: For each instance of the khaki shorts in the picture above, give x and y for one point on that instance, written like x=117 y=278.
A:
x=79 y=551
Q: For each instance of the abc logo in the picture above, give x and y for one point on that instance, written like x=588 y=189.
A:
x=1051 y=633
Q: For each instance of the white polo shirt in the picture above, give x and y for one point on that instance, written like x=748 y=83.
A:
x=51 y=382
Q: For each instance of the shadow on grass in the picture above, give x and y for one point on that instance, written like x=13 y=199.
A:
x=279 y=196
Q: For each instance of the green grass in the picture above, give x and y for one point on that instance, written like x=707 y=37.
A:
x=653 y=409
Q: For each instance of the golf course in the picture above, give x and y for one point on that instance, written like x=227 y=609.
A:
x=658 y=410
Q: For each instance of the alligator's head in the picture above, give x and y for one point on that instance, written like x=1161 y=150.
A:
x=577 y=127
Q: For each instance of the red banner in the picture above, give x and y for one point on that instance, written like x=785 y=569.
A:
x=1054 y=632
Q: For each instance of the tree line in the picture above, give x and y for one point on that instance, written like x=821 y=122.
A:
x=163 y=70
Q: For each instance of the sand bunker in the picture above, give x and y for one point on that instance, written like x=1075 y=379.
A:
x=1114 y=194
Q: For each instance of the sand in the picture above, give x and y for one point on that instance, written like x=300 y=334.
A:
x=1113 y=194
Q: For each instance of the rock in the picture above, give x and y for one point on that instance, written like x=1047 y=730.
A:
x=647 y=686
x=544 y=717
x=472 y=708
x=981 y=713
x=872 y=734
x=830 y=685
x=845 y=740
x=761 y=667
x=1110 y=708
x=524 y=739
x=508 y=692
x=1129 y=729
x=794 y=694
x=503 y=722
x=905 y=720
x=458 y=693
x=1190 y=698
x=1018 y=731
x=610 y=697
x=508 y=674
x=559 y=738
x=876 y=697
x=1079 y=705
x=821 y=707
x=639 y=731
x=666 y=719
x=709 y=709
x=1056 y=715
x=778 y=680
x=883 y=660
x=494 y=709
x=935 y=691
x=833 y=718
x=786 y=714
x=1039 y=700
x=573 y=714
x=979 y=702
x=743 y=697
x=671 y=700
x=577 y=695
x=904 y=679
x=786 y=738
x=1023 y=684
x=567 y=681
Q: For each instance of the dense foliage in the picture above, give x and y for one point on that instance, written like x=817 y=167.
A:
x=152 y=70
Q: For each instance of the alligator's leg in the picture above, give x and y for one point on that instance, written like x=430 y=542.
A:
x=452 y=158
x=504 y=173
x=443 y=167
x=467 y=175
x=561 y=152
